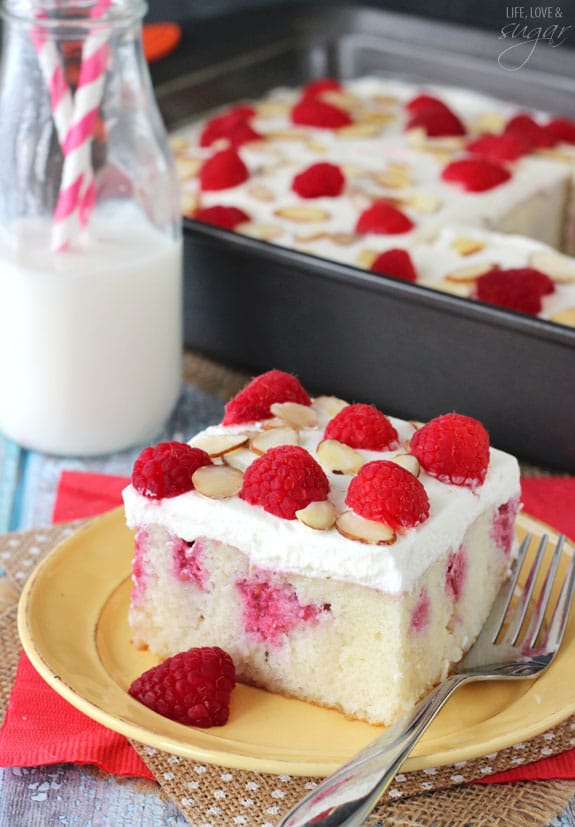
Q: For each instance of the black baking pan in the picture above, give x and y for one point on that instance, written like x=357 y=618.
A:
x=412 y=351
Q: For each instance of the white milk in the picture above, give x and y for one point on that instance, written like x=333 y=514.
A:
x=90 y=339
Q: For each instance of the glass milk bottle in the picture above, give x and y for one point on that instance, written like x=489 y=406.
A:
x=90 y=232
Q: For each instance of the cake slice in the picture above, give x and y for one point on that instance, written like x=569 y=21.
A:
x=340 y=556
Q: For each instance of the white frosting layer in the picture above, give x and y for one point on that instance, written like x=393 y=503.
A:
x=290 y=546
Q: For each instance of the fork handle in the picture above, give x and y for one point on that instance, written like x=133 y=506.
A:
x=348 y=796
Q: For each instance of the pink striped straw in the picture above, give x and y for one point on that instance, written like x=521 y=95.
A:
x=77 y=189
x=55 y=78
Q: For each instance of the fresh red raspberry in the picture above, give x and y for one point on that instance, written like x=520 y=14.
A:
x=252 y=403
x=225 y=169
x=362 y=426
x=434 y=116
x=383 y=218
x=221 y=216
x=192 y=687
x=505 y=147
x=454 y=448
x=562 y=130
x=387 y=493
x=528 y=128
x=319 y=180
x=165 y=470
x=519 y=289
x=233 y=125
x=318 y=87
x=283 y=480
x=311 y=111
x=475 y=174
x=397 y=263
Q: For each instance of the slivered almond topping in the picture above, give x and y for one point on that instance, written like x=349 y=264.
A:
x=394 y=178
x=318 y=515
x=189 y=204
x=187 y=167
x=367 y=129
x=423 y=202
x=287 y=135
x=343 y=239
x=261 y=193
x=488 y=122
x=416 y=424
x=565 y=316
x=342 y=99
x=456 y=288
x=352 y=170
x=179 y=143
x=330 y=405
x=557 y=267
x=272 y=108
x=470 y=274
x=465 y=245
x=365 y=531
x=563 y=153
x=216 y=445
x=257 y=229
x=303 y=214
x=240 y=459
x=416 y=137
x=309 y=238
x=338 y=458
x=265 y=440
x=386 y=99
x=217 y=481
x=380 y=118
x=296 y=415
x=316 y=146
x=365 y=258
x=409 y=462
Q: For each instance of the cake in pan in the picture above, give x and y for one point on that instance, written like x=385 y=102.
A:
x=349 y=171
x=340 y=556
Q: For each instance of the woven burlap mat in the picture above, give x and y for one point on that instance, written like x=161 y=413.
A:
x=211 y=796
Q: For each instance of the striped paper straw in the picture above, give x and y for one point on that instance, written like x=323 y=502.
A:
x=77 y=189
x=55 y=78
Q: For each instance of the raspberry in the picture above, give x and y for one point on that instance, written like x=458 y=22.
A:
x=395 y=262
x=192 y=687
x=319 y=180
x=233 y=124
x=253 y=402
x=283 y=480
x=454 y=448
x=562 y=130
x=434 y=116
x=311 y=111
x=386 y=492
x=518 y=289
x=527 y=128
x=165 y=470
x=506 y=147
x=362 y=426
x=223 y=170
x=475 y=174
x=317 y=87
x=383 y=218
x=221 y=216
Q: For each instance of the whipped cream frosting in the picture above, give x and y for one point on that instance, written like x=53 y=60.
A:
x=289 y=546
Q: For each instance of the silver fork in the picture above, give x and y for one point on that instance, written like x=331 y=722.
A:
x=503 y=650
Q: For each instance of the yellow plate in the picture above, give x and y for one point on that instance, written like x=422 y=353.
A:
x=73 y=624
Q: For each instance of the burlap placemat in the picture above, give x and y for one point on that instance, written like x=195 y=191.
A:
x=211 y=796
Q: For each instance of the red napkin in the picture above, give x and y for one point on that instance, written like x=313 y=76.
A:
x=41 y=728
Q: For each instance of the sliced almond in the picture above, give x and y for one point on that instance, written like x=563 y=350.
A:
x=257 y=229
x=416 y=137
x=365 y=531
x=217 y=481
x=380 y=118
x=216 y=445
x=352 y=171
x=367 y=129
x=456 y=288
x=385 y=99
x=557 y=267
x=296 y=415
x=179 y=143
x=342 y=239
x=287 y=135
x=303 y=214
x=565 y=316
x=261 y=193
x=409 y=462
x=488 y=122
x=189 y=204
x=318 y=515
x=558 y=153
x=187 y=167
x=272 y=108
x=394 y=178
x=338 y=458
x=465 y=245
x=316 y=146
x=240 y=459
x=424 y=202
x=365 y=258
x=330 y=405
x=468 y=275
x=265 y=440
x=341 y=98
x=309 y=238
